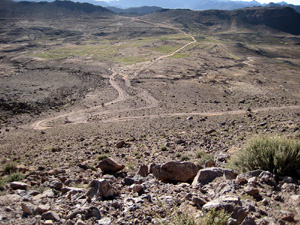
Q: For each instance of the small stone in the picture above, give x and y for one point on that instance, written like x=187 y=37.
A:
x=143 y=171
x=199 y=202
x=251 y=191
x=208 y=164
x=295 y=200
x=128 y=181
x=104 y=221
x=27 y=208
x=56 y=184
x=42 y=209
x=80 y=222
x=276 y=197
x=19 y=185
x=110 y=166
x=50 y=216
x=72 y=189
x=121 y=144
x=252 y=180
x=241 y=179
x=48 y=222
x=286 y=216
x=137 y=188
x=265 y=202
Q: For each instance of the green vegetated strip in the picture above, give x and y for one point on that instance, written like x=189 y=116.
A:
x=132 y=59
x=107 y=50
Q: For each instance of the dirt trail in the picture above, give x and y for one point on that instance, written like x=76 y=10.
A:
x=204 y=114
x=84 y=115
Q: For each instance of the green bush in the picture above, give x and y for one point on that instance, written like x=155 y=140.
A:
x=212 y=217
x=15 y=177
x=276 y=154
x=101 y=157
x=203 y=157
x=9 y=167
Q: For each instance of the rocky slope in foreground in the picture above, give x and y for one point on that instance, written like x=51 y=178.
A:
x=152 y=194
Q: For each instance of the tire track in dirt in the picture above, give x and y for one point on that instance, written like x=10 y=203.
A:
x=82 y=116
x=204 y=114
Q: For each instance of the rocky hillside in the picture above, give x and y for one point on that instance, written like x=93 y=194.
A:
x=277 y=19
x=49 y=9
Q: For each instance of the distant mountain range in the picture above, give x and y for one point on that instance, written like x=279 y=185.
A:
x=277 y=19
x=133 y=6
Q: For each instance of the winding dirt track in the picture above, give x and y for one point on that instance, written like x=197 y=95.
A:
x=83 y=115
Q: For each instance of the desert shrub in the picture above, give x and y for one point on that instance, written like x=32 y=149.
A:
x=184 y=158
x=9 y=167
x=15 y=177
x=212 y=217
x=276 y=154
x=215 y=217
x=163 y=148
x=203 y=157
x=101 y=157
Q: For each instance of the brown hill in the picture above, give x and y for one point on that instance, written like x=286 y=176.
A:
x=56 y=9
x=274 y=19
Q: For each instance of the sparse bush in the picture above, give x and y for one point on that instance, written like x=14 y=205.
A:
x=212 y=217
x=276 y=154
x=203 y=157
x=15 y=177
x=184 y=158
x=215 y=217
x=163 y=148
x=9 y=167
x=101 y=157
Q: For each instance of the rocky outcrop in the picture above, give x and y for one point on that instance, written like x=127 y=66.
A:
x=204 y=176
x=101 y=188
x=175 y=171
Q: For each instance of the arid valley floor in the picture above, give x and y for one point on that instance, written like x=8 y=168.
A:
x=140 y=90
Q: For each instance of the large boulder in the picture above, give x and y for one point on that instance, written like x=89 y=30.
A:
x=230 y=204
x=207 y=175
x=175 y=171
x=101 y=188
x=110 y=166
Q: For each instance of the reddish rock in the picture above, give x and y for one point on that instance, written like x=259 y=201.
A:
x=110 y=166
x=176 y=171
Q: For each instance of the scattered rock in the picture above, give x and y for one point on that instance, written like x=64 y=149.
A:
x=143 y=171
x=230 y=204
x=104 y=221
x=50 y=216
x=205 y=176
x=101 y=188
x=138 y=188
x=220 y=158
x=110 y=166
x=19 y=185
x=176 y=171
x=42 y=209
x=27 y=208
x=121 y=144
x=56 y=184
x=286 y=216
x=199 y=202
